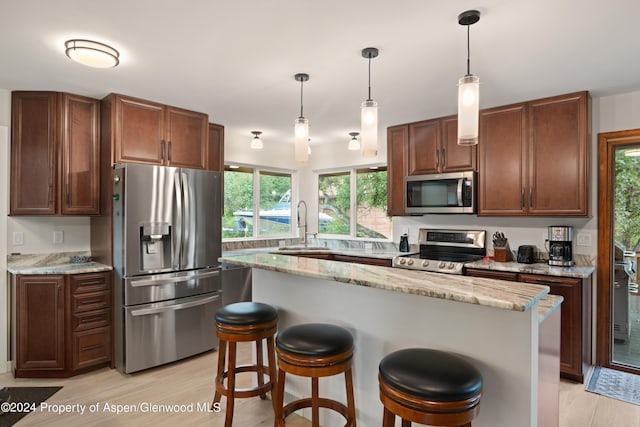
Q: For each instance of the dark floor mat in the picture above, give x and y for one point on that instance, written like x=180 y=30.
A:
x=24 y=399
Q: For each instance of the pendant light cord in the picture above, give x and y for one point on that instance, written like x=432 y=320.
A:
x=468 y=53
x=369 y=99
x=301 y=107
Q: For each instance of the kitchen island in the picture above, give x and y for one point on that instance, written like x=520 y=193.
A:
x=509 y=331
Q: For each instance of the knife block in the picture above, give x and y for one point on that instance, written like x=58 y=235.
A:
x=502 y=254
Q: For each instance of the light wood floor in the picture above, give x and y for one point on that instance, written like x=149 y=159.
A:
x=191 y=382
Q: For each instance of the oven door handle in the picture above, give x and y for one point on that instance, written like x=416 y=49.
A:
x=174 y=307
x=459 y=191
x=163 y=281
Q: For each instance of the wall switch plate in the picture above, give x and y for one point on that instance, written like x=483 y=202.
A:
x=18 y=238
x=584 y=239
x=58 y=237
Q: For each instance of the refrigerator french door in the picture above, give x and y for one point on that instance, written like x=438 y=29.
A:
x=167 y=241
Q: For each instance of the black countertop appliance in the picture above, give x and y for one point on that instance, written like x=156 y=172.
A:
x=527 y=254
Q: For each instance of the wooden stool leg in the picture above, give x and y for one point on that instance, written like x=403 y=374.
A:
x=222 y=349
x=271 y=356
x=351 y=404
x=388 y=418
x=259 y=364
x=406 y=423
x=465 y=425
x=315 y=408
x=231 y=385
x=279 y=398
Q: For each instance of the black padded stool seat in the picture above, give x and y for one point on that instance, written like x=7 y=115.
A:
x=314 y=350
x=430 y=387
x=244 y=322
x=246 y=313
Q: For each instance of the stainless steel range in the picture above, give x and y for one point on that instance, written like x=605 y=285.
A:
x=444 y=251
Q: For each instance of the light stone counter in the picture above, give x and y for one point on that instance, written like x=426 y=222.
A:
x=537 y=268
x=56 y=263
x=472 y=290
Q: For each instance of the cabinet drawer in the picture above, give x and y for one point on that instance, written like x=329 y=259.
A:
x=91 y=320
x=90 y=301
x=90 y=282
x=91 y=347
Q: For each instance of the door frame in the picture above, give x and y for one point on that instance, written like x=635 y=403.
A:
x=608 y=142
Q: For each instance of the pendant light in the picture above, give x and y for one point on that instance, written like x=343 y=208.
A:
x=369 y=114
x=468 y=91
x=256 y=142
x=91 y=53
x=301 y=128
x=354 y=144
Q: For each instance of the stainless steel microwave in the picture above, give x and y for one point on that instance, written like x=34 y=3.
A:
x=440 y=193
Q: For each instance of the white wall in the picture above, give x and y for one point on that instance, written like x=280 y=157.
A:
x=5 y=117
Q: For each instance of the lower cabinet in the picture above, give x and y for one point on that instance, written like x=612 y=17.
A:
x=62 y=324
x=575 y=316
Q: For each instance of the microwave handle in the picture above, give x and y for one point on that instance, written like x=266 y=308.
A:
x=459 y=191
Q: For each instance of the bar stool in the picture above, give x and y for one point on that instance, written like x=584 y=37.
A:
x=314 y=350
x=429 y=387
x=244 y=322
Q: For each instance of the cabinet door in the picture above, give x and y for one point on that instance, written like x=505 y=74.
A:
x=215 y=148
x=91 y=347
x=491 y=274
x=570 y=320
x=80 y=171
x=502 y=161
x=187 y=135
x=454 y=157
x=424 y=147
x=139 y=131
x=34 y=132
x=396 y=168
x=559 y=155
x=40 y=325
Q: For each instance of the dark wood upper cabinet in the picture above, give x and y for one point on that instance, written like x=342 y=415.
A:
x=397 y=137
x=80 y=177
x=455 y=157
x=559 y=155
x=54 y=154
x=215 y=148
x=502 y=176
x=424 y=147
x=157 y=134
x=534 y=158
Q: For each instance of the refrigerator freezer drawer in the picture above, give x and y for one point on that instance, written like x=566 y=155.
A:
x=168 y=286
x=150 y=331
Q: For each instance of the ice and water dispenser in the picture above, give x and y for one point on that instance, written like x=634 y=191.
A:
x=155 y=246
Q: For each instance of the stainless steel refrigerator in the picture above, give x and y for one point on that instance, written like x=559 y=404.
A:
x=167 y=241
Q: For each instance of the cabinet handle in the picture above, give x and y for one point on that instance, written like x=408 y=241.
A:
x=522 y=199
x=68 y=194
x=530 y=197
x=169 y=151
x=92 y=301
x=437 y=158
x=162 y=150
x=443 y=158
x=92 y=347
x=50 y=193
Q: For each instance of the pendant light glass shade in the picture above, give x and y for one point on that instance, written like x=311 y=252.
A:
x=468 y=91
x=468 y=109
x=301 y=140
x=92 y=54
x=256 y=142
x=354 y=144
x=369 y=114
x=369 y=128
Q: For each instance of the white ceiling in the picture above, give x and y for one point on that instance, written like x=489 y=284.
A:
x=236 y=59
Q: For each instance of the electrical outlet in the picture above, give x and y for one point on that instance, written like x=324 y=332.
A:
x=18 y=238
x=584 y=239
x=58 y=237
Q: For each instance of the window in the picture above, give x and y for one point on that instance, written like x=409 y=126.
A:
x=363 y=191
x=256 y=203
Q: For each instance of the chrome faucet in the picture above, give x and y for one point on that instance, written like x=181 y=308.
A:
x=304 y=236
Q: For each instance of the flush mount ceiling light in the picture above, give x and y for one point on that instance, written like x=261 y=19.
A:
x=354 y=144
x=92 y=54
x=256 y=142
x=301 y=128
x=468 y=91
x=369 y=114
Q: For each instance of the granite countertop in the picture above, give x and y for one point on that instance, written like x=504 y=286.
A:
x=299 y=249
x=487 y=292
x=547 y=305
x=56 y=263
x=537 y=268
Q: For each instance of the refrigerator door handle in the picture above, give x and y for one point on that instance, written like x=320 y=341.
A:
x=187 y=222
x=178 y=223
x=174 y=307
x=162 y=281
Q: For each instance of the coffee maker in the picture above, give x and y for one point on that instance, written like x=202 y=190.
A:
x=560 y=245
